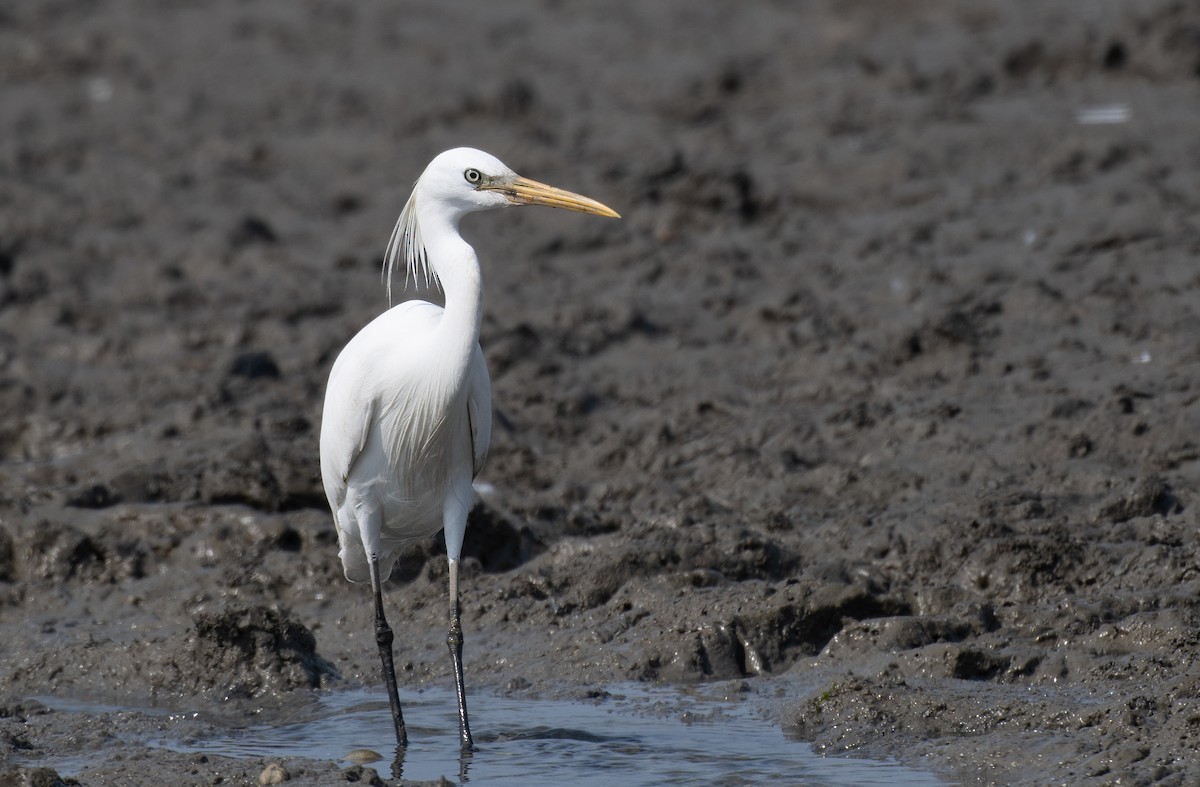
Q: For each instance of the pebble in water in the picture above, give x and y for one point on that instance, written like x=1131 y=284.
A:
x=362 y=756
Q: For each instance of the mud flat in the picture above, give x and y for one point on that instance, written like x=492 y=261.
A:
x=882 y=396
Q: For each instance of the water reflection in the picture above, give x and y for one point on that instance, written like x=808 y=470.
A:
x=631 y=735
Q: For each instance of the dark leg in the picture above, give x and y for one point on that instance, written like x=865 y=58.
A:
x=455 y=643
x=383 y=637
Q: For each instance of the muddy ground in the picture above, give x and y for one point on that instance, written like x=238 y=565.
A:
x=882 y=394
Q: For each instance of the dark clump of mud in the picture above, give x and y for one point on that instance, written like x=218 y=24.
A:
x=246 y=651
x=882 y=396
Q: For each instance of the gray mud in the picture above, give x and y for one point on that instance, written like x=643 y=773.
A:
x=882 y=396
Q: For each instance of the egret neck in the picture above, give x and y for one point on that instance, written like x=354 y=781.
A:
x=457 y=269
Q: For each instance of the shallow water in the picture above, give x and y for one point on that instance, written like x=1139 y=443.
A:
x=634 y=735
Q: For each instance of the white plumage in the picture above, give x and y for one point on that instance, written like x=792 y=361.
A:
x=408 y=409
x=405 y=431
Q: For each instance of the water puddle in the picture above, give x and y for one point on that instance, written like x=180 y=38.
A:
x=632 y=735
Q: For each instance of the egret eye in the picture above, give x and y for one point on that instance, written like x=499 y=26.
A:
x=473 y=176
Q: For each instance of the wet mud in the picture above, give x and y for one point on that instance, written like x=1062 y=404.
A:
x=882 y=396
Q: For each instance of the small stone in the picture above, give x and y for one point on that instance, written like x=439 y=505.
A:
x=363 y=756
x=274 y=774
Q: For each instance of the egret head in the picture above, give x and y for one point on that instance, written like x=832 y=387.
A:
x=455 y=181
x=465 y=180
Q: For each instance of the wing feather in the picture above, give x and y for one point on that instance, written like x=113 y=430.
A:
x=479 y=410
x=352 y=405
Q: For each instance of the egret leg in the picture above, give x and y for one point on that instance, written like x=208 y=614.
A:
x=383 y=638
x=455 y=642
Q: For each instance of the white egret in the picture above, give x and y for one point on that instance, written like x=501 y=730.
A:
x=408 y=409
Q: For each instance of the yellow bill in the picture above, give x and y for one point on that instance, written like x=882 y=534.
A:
x=522 y=191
